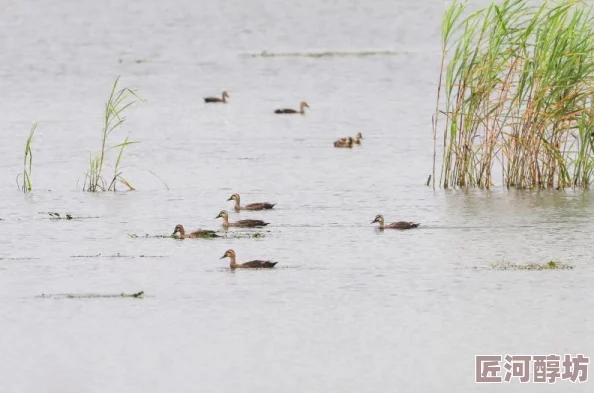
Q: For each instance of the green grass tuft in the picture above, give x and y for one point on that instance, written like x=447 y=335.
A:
x=27 y=185
x=119 y=101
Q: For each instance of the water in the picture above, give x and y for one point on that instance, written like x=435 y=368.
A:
x=348 y=308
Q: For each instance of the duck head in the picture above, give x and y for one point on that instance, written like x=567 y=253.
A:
x=234 y=197
x=359 y=136
x=223 y=214
x=303 y=104
x=225 y=95
x=379 y=218
x=178 y=229
x=228 y=254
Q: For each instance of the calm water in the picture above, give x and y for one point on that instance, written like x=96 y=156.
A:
x=348 y=308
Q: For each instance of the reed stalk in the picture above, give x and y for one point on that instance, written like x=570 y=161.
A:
x=519 y=87
x=27 y=185
x=119 y=101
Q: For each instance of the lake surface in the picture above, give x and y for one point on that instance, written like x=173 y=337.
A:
x=348 y=308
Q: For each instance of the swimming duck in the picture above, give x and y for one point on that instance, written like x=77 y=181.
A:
x=196 y=234
x=301 y=110
x=216 y=99
x=346 y=142
x=251 y=206
x=251 y=264
x=241 y=223
x=395 y=225
x=356 y=141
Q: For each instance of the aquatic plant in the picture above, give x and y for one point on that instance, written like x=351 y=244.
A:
x=136 y=295
x=119 y=101
x=518 y=89
x=27 y=186
x=328 y=54
x=550 y=265
x=234 y=235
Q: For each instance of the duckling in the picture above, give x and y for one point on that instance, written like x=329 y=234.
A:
x=301 y=110
x=196 y=234
x=241 y=223
x=216 y=99
x=251 y=264
x=347 y=142
x=395 y=225
x=251 y=206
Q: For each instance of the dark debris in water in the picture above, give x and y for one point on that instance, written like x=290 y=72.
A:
x=136 y=295
x=551 y=265
x=17 y=259
x=66 y=216
x=118 y=255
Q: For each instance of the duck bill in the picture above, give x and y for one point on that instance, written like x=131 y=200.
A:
x=374 y=221
x=218 y=216
x=230 y=199
x=223 y=257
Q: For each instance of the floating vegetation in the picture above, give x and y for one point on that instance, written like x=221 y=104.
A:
x=117 y=103
x=67 y=216
x=56 y=216
x=136 y=295
x=118 y=255
x=551 y=265
x=328 y=54
x=233 y=235
x=27 y=186
x=519 y=93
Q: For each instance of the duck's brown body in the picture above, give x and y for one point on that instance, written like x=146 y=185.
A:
x=251 y=206
x=347 y=142
x=301 y=110
x=223 y=98
x=241 y=223
x=193 y=235
x=395 y=225
x=257 y=264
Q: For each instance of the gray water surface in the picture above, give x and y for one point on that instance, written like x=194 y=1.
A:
x=348 y=308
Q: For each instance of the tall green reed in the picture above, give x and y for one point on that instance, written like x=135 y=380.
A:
x=119 y=101
x=27 y=185
x=518 y=90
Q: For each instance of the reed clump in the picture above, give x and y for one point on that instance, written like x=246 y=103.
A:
x=27 y=185
x=119 y=101
x=517 y=95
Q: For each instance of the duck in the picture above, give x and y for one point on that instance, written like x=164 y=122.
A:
x=251 y=206
x=217 y=99
x=356 y=141
x=346 y=142
x=395 y=225
x=301 y=110
x=241 y=223
x=196 y=234
x=257 y=264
